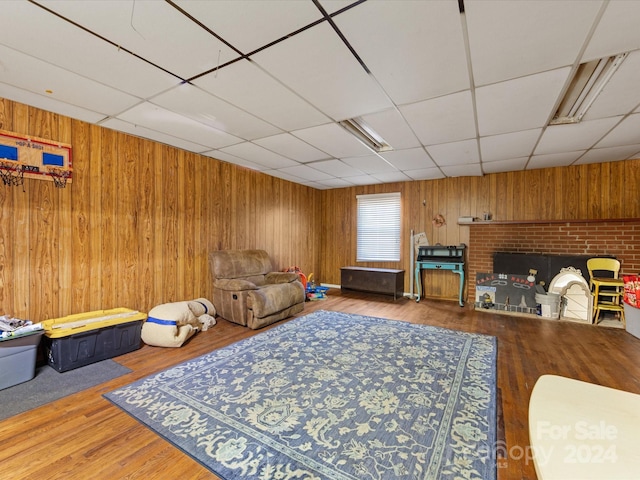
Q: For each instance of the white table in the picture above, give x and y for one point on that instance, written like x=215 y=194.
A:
x=583 y=431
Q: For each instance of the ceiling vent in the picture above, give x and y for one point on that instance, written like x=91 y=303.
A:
x=588 y=82
x=366 y=134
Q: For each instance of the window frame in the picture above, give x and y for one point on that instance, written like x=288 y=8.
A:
x=379 y=239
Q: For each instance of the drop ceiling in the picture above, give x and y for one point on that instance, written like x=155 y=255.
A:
x=457 y=88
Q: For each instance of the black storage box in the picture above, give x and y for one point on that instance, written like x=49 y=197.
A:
x=80 y=340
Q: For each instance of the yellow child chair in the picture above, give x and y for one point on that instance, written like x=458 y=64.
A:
x=607 y=291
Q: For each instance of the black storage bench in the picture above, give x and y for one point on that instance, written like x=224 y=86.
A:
x=385 y=281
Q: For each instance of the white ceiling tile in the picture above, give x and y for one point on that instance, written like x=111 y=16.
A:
x=162 y=120
x=139 y=131
x=248 y=24
x=57 y=41
x=335 y=183
x=362 y=180
x=610 y=154
x=391 y=177
x=621 y=94
x=510 y=165
x=155 y=31
x=409 y=159
x=519 y=104
x=423 y=40
x=576 y=136
x=291 y=147
x=305 y=172
x=392 y=127
x=332 y=6
x=257 y=154
x=441 y=120
x=284 y=176
x=509 y=145
x=627 y=132
x=337 y=168
x=333 y=139
x=617 y=31
x=318 y=66
x=18 y=70
x=425 y=173
x=226 y=157
x=202 y=107
x=45 y=102
x=547 y=33
x=472 y=170
x=370 y=164
x=456 y=153
x=246 y=86
x=553 y=160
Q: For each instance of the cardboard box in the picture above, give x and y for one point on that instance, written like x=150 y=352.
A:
x=81 y=339
x=18 y=358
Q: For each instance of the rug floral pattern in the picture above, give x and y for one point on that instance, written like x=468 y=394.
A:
x=332 y=396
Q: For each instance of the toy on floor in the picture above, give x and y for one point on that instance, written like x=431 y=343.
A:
x=172 y=324
x=315 y=292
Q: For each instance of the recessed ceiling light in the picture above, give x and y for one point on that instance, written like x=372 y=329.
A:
x=588 y=82
x=366 y=134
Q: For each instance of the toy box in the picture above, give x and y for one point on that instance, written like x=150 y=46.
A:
x=81 y=339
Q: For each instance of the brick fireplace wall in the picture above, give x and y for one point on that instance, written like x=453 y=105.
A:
x=620 y=238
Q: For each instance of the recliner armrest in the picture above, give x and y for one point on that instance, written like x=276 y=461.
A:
x=273 y=298
x=234 y=284
x=281 y=277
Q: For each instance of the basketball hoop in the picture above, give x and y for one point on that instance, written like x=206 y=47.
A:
x=59 y=176
x=12 y=173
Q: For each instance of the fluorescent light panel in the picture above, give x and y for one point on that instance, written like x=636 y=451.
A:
x=366 y=134
x=588 y=82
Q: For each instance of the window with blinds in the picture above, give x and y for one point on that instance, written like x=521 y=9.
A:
x=378 y=234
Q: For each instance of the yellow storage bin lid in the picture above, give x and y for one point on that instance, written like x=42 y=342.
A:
x=84 y=322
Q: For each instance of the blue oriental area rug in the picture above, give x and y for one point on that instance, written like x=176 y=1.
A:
x=331 y=396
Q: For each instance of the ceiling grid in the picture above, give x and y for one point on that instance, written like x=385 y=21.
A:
x=455 y=87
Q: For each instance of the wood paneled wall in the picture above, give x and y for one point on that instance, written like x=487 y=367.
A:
x=596 y=191
x=136 y=226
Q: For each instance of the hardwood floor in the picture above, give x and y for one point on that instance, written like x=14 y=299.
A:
x=84 y=436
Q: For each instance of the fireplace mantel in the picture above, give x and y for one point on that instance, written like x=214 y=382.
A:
x=534 y=222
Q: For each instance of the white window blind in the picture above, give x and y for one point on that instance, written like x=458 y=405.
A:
x=378 y=227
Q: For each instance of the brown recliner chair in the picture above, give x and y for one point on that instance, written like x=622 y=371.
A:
x=247 y=292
